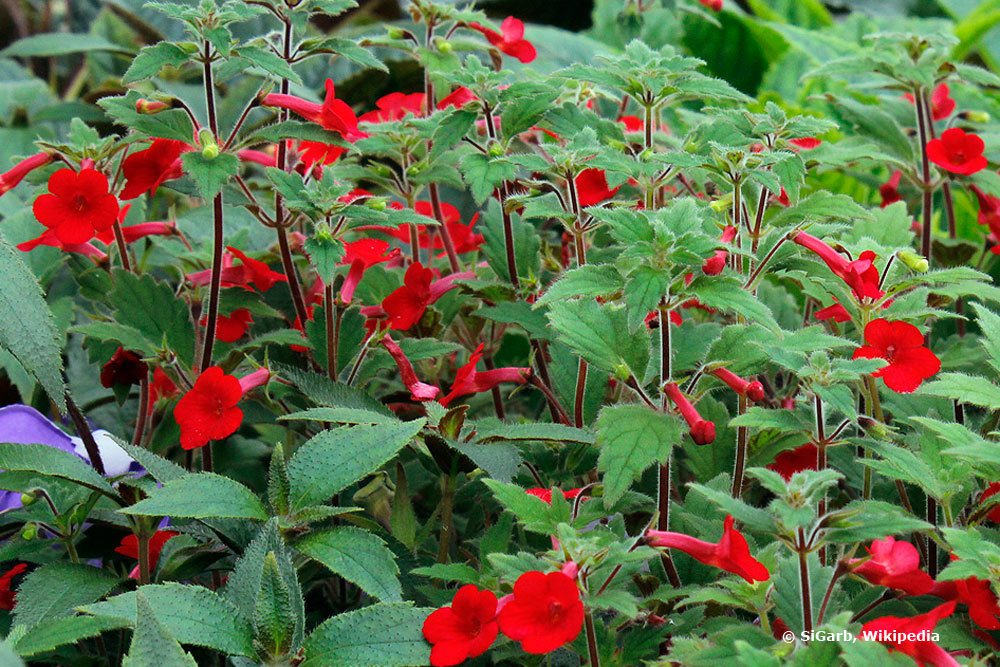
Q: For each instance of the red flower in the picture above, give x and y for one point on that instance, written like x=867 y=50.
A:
x=958 y=152
x=544 y=612
x=470 y=381
x=714 y=5
x=989 y=210
x=731 y=553
x=406 y=305
x=975 y=593
x=464 y=630
x=889 y=190
x=13 y=176
x=395 y=106
x=133 y=233
x=791 y=461
x=753 y=390
x=924 y=652
x=457 y=98
x=256 y=272
x=161 y=387
x=147 y=170
x=315 y=154
x=419 y=391
x=632 y=123
x=546 y=494
x=209 y=410
x=894 y=564
x=992 y=490
x=8 y=597
x=129 y=547
x=362 y=255
x=805 y=143
x=835 y=312
x=511 y=41
x=714 y=265
x=592 y=188
x=902 y=345
x=941 y=103
x=263 y=158
x=702 y=430
x=125 y=367
x=231 y=328
x=334 y=115
x=78 y=206
x=860 y=275
x=464 y=238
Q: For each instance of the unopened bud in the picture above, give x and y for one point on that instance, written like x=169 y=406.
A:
x=495 y=149
x=29 y=532
x=396 y=33
x=722 y=204
x=209 y=147
x=444 y=46
x=872 y=427
x=150 y=107
x=975 y=116
x=913 y=261
x=28 y=498
x=376 y=204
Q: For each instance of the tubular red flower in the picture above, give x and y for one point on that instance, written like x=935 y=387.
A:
x=129 y=547
x=334 y=115
x=406 y=305
x=209 y=411
x=125 y=367
x=632 y=123
x=702 y=430
x=860 y=275
x=992 y=490
x=8 y=597
x=835 y=312
x=77 y=207
x=893 y=564
x=362 y=255
x=731 y=553
x=509 y=40
x=458 y=98
x=924 y=652
x=395 y=106
x=902 y=345
x=257 y=378
x=942 y=105
x=890 y=189
x=714 y=265
x=150 y=107
x=805 y=143
x=989 y=210
x=230 y=328
x=791 y=461
x=464 y=630
x=147 y=170
x=470 y=381
x=262 y=158
x=544 y=612
x=714 y=5
x=161 y=387
x=753 y=390
x=546 y=494
x=958 y=152
x=49 y=238
x=256 y=271
x=11 y=178
x=592 y=188
x=419 y=391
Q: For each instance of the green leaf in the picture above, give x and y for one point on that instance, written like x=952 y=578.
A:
x=532 y=512
x=340 y=416
x=151 y=59
x=524 y=104
x=58 y=44
x=727 y=294
x=152 y=643
x=269 y=62
x=346 y=48
x=483 y=174
x=387 y=635
x=201 y=496
x=632 y=438
x=334 y=459
x=323 y=391
x=965 y=388
x=272 y=610
x=357 y=556
x=152 y=308
x=52 y=462
x=589 y=280
x=56 y=589
x=450 y=131
x=989 y=324
x=599 y=333
x=244 y=583
x=128 y=337
x=865 y=520
x=499 y=460
x=27 y=329
x=157 y=466
x=192 y=614
x=210 y=174
x=494 y=431
x=171 y=124
x=52 y=634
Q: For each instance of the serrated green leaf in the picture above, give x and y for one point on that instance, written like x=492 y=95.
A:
x=151 y=59
x=152 y=643
x=58 y=44
x=201 y=496
x=631 y=438
x=52 y=462
x=56 y=589
x=152 y=308
x=387 y=635
x=210 y=175
x=49 y=635
x=599 y=333
x=358 y=556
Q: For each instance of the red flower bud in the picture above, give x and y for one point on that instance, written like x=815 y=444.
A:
x=753 y=390
x=11 y=178
x=702 y=430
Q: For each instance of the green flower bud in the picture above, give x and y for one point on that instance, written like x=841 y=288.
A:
x=28 y=498
x=396 y=33
x=722 y=204
x=495 y=149
x=444 y=46
x=209 y=147
x=913 y=261
x=29 y=532
x=376 y=204
x=975 y=116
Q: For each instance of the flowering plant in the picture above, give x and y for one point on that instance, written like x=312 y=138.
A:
x=459 y=339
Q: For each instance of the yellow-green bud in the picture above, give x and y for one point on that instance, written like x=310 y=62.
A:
x=29 y=532
x=975 y=116
x=28 y=498
x=396 y=33
x=444 y=46
x=913 y=261
x=209 y=147
x=376 y=204
x=495 y=149
x=722 y=204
